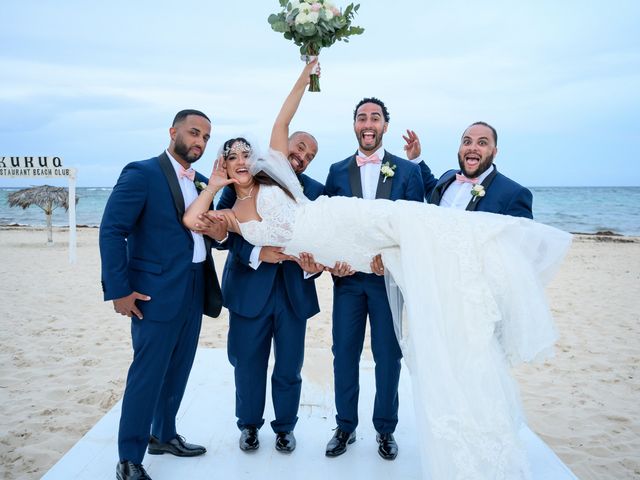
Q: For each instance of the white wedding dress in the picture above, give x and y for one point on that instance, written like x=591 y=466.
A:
x=467 y=293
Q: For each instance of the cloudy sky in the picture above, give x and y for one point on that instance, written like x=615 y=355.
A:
x=98 y=83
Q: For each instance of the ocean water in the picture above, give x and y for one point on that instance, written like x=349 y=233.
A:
x=573 y=209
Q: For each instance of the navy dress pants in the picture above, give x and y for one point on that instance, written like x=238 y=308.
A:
x=163 y=353
x=249 y=346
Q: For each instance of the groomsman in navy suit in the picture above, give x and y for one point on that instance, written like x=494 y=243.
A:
x=162 y=276
x=269 y=299
x=478 y=185
x=370 y=173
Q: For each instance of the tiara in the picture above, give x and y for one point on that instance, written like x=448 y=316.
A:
x=238 y=146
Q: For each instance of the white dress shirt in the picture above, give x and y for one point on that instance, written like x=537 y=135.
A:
x=458 y=195
x=189 y=194
x=369 y=175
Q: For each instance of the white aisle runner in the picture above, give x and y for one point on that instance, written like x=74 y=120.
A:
x=207 y=418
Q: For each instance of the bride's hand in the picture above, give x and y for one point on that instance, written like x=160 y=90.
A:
x=310 y=68
x=219 y=179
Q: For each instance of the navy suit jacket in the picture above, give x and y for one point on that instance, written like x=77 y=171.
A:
x=502 y=195
x=405 y=184
x=144 y=246
x=245 y=290
x=429 y=181
x=311 y=188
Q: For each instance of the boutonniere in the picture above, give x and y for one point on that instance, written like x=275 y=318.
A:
x=477 y=191
x=387 y=171
x=200 y=185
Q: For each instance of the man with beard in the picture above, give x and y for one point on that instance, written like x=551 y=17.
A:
x=162 y=276
x=303 y=148
x=370 y=173
x=269 y=298
x=478 y=185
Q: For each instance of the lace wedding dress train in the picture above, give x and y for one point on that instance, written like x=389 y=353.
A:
x=467 y=293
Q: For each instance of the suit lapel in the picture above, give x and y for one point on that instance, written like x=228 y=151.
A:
x=354 y=178
x=383 y=190
x=473 y=203
x=438 y=192
x=174 y=186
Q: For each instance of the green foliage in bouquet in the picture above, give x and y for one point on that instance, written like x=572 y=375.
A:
x=313 y=25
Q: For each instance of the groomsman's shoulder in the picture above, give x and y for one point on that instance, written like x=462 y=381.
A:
x=515 y=200
x=311 y=184
x=143 y=165
x=138 y=170
x=342 y=164
x=509 y=185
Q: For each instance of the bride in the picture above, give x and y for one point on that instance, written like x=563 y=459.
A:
x=466 y=291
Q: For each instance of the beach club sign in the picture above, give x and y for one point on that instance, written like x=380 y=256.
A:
x=45 y=167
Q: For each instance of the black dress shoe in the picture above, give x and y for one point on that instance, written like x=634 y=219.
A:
x=387 y=446
x=285 y=442
x=249 y=439
x=129 y=471
x=176 y=446
x=338 y=443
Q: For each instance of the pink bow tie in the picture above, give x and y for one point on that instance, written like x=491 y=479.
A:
x=189 y=173
x=463 y=179
x=364 y=160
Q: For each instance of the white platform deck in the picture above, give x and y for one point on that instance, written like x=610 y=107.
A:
x=207 y=418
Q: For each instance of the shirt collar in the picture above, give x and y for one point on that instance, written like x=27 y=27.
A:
x=174 y=163
x=379 y=152
x=484 y=174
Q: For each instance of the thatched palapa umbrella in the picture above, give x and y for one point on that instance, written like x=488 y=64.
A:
x=46 y=197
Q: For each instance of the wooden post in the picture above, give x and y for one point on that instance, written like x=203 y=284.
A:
x=72 y=215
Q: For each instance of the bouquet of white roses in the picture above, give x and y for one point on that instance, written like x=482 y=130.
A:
x=314 y=24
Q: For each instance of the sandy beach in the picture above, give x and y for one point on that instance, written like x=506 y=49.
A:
x=64 y=353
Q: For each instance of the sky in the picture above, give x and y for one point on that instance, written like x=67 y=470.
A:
x=98 y=83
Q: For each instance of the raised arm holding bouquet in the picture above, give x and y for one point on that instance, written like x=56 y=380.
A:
x=313 y=25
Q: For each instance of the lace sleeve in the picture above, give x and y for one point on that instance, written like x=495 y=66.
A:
x=278 y=213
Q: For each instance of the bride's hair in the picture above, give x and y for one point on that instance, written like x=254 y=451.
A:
x=261 y=178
